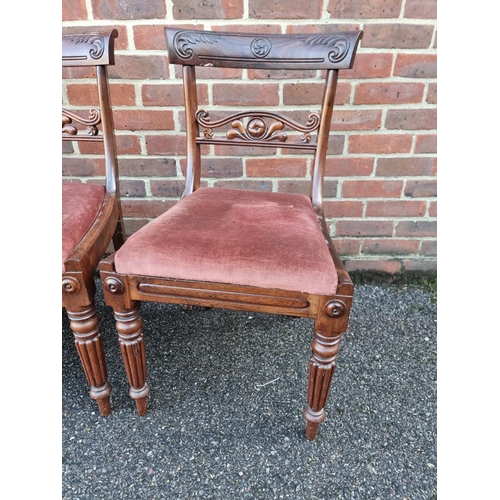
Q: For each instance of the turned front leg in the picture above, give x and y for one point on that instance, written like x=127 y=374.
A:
x=321 y=370
x=131 y=340
x=90 y=348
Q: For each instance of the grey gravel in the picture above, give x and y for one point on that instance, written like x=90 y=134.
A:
x=225 y=416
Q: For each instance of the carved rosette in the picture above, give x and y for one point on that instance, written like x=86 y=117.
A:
x=260 y=47
x=339 y=45
x=114 y=286
x=70 y=285
x=91 y=122
x=96 y=42
x=184 y=38
x=335 y=308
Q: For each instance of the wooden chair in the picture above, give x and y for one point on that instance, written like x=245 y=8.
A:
x=235 y=248
x=91 y=213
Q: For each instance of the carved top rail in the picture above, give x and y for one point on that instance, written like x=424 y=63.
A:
x=90 y=49
x=266 y=51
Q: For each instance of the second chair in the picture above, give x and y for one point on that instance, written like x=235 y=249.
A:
x=240 y=249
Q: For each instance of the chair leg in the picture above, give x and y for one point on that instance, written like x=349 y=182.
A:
x=131 y=339
x=325 y=347
x=89 y=344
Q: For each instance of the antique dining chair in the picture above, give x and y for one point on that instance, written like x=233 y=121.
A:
x=241 y=249
x=91 y=212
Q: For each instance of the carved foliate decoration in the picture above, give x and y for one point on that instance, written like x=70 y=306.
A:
x=252 y=126
x=260 y=47
x=91 y=122
x=114 y=286
x=70 y=285
x=339 y=43
x=335 y=308
x=183 y=38
x=96 y=41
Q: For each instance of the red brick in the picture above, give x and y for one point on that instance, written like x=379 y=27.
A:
x=395 y=208
x=347 y=246
x=421 y=188
x=388 y=93
x=370 y=66
x=320 y=29
x=167 y=188
x=433 y=209
x=426 y=143
x=397 y=36
x=245 y=184
x=220 y=167
x=364 y=9
x=416 y=65
x=140 y=119
x=432 y=93
x=128 y=9
x=416 y=228
x=276 y=167
x=170 y=95
x=429 y=247
x=380 y=143
x=147 y=167
x=274 y=9
x=339 y=209
x=75 y=10
x=335 y=146
x=206 y=73
x=295 y=186
x=83 y=94
x=296 y=93
x=215 y=9
x=411 y=119
x=166 y=144
x=349 y=167
x=421 y=9
x=83 y=167
x=420 y=265
x=67 y=147
x=139 y=67
x=256 y=29
x=390 y=246
x=132 y=188
x=364 y=228
x=280 y=74
x=147 y=37
x=235 y=150
x=245 y=94
x=131 y=227
x=387 y=266
x=406 y=166
x=145 y=207
x=367 y=119
x=128 y=145
x=372 y=189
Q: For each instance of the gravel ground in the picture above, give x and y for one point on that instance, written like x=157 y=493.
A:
x=225 y=416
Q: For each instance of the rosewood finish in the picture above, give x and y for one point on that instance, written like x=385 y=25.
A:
x=220 y=247
x=91 y=214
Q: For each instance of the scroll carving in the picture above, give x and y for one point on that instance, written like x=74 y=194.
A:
x=256 y=127
x=183 y=38
x=339 y=43
x=91 y=123
x=96 y=41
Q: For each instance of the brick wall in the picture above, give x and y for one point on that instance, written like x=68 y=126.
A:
x=380 y=195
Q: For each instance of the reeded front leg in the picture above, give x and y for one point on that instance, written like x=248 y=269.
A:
x=131 y=339
x=89 y=344
x=328 y=329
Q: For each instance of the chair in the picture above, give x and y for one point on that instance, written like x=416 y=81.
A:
x=91 y=213
x=236 y=248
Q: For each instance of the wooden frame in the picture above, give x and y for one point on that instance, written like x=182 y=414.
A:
x=94 y=50
x=124 y=293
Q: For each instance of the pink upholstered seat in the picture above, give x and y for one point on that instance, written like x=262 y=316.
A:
x=81 y=204
x=269 y=240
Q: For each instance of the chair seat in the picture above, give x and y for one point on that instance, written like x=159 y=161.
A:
x=240 y=237
x=81 y=204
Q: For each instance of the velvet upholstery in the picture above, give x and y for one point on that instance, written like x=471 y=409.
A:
x=81 y=204
x=219 y=235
